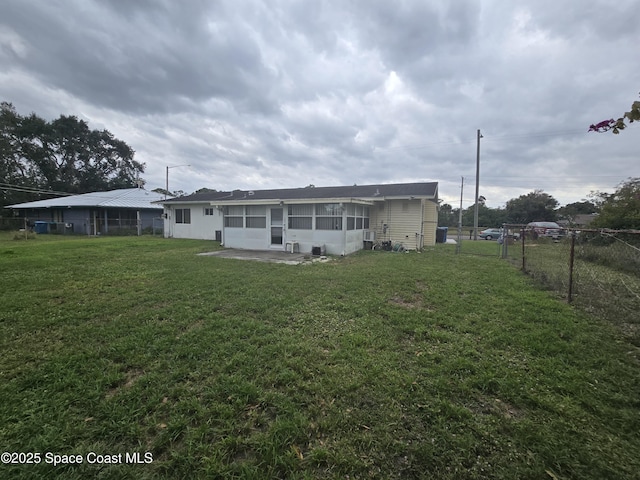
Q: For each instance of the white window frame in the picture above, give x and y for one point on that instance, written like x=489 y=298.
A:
x=300 y=216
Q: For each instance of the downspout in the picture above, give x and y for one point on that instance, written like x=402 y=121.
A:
x=421 y=240
x=344 y=229
x=223 y=231
x=388 y=232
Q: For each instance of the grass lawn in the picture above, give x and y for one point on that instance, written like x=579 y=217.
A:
x=377 y=365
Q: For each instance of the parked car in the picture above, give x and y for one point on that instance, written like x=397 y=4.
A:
x=545 y=229
x=510 y=235
x=490 y=233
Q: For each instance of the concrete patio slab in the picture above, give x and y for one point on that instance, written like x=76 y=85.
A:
x=263 y=256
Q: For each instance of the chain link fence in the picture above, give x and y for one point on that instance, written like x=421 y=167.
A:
x=155 y=226
x=597 y=270
x=12 y=223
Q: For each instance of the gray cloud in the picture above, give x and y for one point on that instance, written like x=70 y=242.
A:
x=282 y=94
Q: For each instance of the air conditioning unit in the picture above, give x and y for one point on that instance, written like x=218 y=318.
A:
x=318 y=250
x=369 y=236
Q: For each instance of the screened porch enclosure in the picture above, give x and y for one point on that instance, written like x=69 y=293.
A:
x=307 y=224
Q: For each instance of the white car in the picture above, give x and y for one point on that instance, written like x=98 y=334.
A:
x=545 y=229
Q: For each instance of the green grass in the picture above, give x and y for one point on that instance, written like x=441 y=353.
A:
x=606 y=280
x=377 y=365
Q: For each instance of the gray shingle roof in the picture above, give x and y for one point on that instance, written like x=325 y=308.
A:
x=136 y=198
x=403 y=190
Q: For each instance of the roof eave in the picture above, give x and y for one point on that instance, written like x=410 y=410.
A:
x=291 y=201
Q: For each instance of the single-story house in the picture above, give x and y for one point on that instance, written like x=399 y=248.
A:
x=334 y=220
x=95 y=213
x=581 y=220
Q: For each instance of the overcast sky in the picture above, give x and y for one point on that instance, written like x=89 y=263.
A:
x=280 y=94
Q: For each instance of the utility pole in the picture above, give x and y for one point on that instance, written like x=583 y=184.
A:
x=459 y=244
x=166 y=185
x=475 y=209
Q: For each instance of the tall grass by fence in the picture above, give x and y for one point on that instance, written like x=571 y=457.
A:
x=597 y=270
x=12 y=223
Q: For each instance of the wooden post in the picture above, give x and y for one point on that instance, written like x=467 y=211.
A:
x=522 y=237
x=571 y=258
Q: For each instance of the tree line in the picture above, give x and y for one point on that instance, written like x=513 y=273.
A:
x=619 y=210
x=39 y=158
x=63 y=155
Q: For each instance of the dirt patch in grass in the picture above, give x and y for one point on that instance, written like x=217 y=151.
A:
x=131 y=377
x=189 y=328
x=413 y=300
x=494 y=406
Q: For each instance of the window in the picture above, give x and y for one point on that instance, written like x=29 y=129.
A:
x=351 y=214
x=300 y=217
x=208 y=211
x=328 y=216
x=183 y=215
x=233 y=216
x=256 y=222
x=357 y=217
x=256 y=216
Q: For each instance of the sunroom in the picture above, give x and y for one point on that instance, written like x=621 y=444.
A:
x=334 y=228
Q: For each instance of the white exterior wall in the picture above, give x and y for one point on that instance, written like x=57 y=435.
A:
x=332 y=240
x=305 y=238
x=354 y=240
x=335 y=242
x=410 y=222
x=249 y=238
x=201 y=227
x=430 y=223
x=255 y=238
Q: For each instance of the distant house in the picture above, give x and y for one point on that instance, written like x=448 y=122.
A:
x=581 y=220
x=335 y=220
x=95 y=213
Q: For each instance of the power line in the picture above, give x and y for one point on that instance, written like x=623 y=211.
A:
x=523 y=136
x=27 y=189
x=539 y=135
x=34 y=190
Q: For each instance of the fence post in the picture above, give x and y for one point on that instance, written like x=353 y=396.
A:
x=505 y=238
x=522 y=238
x=571 y=258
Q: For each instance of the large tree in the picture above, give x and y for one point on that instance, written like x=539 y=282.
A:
x=572 y=210
x=63 y=155
x=447 y=217
x=535 y=206
x=621 y=209
x=487 y=217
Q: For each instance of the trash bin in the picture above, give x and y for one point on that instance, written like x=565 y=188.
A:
x=441 y=234
x=41 y=227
